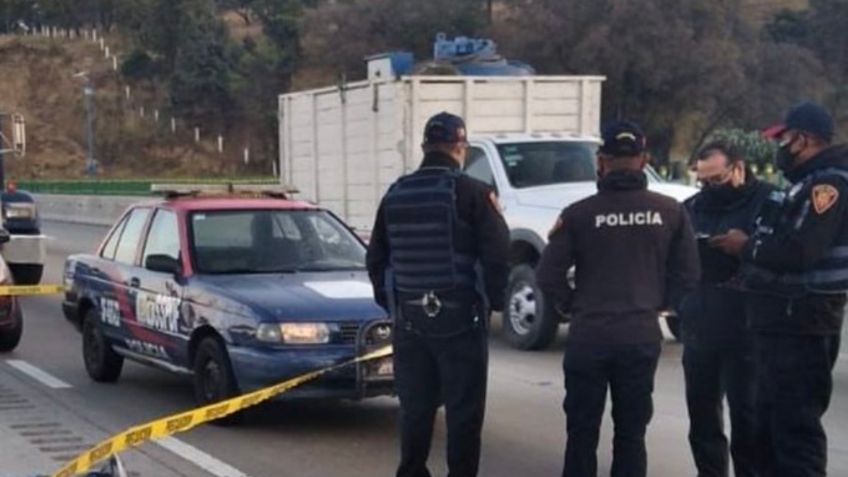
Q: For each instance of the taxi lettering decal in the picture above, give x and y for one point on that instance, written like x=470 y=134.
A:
x=110 y=312
x=159 y=312
x=149 y=349
x=628 y=219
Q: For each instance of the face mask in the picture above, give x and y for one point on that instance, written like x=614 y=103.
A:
x=722 y=193
x=785 y=159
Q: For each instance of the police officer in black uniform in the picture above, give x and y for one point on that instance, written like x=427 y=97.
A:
x=718 y=353
x=635 y=254
x=796 y=268
x=438 y=262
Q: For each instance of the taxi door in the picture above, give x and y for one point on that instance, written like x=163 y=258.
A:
x=161 y=333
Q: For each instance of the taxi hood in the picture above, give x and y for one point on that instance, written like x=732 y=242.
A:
x=318 y=296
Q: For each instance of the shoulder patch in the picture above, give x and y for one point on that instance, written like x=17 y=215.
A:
x=824 y=196
x=493 y=199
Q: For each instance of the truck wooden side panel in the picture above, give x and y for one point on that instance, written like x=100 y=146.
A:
x=343 y=146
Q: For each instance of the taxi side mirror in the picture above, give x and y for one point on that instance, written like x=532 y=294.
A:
x=5 y=236
x=163 y=264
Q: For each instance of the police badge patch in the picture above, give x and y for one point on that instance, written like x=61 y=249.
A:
x=824 y=196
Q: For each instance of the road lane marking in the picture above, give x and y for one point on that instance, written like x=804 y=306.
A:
x=201 y=459
x=37 y=374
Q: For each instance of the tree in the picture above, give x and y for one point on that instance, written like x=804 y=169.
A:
x=339 y=36
x=681 y=69
x=200 y=84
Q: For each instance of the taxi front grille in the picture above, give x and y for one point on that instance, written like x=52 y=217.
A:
x=349 y=332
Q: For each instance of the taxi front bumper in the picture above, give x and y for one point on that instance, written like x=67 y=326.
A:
x=258 y=367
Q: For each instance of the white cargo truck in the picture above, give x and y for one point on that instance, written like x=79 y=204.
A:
x=533 y=138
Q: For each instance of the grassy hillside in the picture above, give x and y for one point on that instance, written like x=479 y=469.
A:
x=37 y=80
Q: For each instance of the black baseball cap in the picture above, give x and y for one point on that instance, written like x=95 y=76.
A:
x=445 y=128
x=623 y=139
x=807 y=117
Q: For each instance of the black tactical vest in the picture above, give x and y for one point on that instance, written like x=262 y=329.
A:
x=828 y=275
x=424 y=232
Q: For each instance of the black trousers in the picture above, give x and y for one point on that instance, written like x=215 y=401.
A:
x=713 y=373
x=433 y=371
x=628 y=371
x=794 y=385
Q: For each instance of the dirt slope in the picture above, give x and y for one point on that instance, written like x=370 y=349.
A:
x=37 y=80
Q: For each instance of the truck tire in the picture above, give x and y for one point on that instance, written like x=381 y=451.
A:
x=27 y=273
x=527 y=323
x=10 y=338
x=102 y=363
x=214 y=380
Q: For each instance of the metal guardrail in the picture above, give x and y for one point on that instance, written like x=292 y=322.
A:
x=132 y=187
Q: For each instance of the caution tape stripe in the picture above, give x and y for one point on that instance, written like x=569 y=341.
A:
x=184 y=421
x=30 y=290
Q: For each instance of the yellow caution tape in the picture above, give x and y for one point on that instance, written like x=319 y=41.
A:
x=29 y=290
x=184 y=421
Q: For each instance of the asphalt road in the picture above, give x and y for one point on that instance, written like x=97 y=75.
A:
x=524 y=431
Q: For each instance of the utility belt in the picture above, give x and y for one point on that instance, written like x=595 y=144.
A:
x=440 y=314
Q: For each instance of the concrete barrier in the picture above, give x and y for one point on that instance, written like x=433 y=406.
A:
x=83 y=209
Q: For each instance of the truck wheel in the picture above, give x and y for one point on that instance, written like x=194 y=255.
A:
x=528 y=324
x=9 y=339
x=214 y=380
x=102 y=363
x=27 y=273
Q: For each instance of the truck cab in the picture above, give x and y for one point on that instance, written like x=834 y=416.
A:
x=536 y=176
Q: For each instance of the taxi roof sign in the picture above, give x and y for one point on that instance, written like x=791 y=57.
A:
x=173 y=191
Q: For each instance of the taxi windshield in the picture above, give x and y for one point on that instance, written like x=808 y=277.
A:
x=272 y=241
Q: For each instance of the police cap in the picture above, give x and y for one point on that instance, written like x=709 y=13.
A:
x=445 y=128
x=623 y=139
x=807 y=117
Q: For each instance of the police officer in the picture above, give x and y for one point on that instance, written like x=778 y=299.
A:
x=717 y=353
x=796 y=266
x=438 y=262
x=634 y=253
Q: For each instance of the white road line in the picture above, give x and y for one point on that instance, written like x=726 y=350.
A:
x=38 y=374
x=203 y=460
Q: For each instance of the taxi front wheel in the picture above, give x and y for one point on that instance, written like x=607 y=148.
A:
x=214 y=380
x=101 y=362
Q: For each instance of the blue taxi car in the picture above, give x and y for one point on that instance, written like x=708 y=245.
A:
x=236 y=291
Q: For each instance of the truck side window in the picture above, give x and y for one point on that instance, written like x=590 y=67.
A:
x=477 y=166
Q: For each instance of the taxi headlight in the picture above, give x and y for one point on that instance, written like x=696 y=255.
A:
x=294 y=333
x=20 y=211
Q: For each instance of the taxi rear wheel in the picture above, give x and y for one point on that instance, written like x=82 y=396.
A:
x=214 y=380
x=102 y=363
